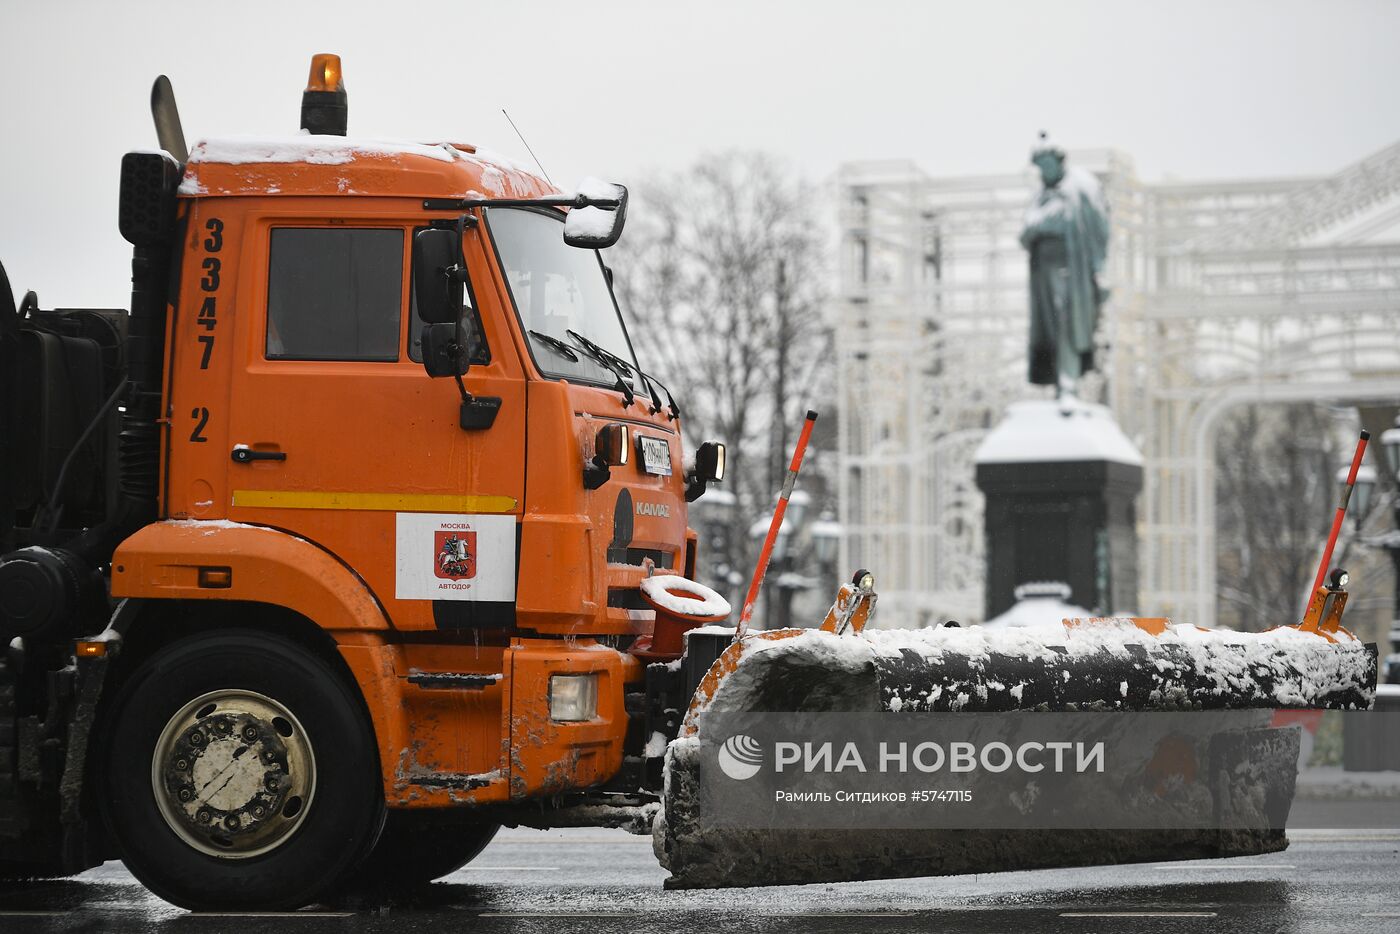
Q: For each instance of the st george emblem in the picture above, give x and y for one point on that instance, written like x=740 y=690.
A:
x=456 y=554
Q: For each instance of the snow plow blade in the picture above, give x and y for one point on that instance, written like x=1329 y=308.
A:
x=1105 y=665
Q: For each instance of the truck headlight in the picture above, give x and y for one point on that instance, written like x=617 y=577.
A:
x=573 y=697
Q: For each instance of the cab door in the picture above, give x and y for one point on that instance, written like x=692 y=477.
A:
x=337 y=434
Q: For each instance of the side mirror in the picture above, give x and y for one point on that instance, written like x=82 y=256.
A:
x=596 y=222
x=443 y=354
x=709 y=468
x=437 y=278
x=709 y=462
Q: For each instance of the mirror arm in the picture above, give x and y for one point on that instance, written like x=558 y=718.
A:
x=459 y=351
x=694 y=487
x=462 y=388
x=476 y=412
x=558 y=201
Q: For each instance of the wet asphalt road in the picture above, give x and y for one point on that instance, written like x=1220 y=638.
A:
x=606 y=881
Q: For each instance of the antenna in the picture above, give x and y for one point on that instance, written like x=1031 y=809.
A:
x=527 y=147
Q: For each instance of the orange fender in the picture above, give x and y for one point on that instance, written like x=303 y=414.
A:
x=219 y=560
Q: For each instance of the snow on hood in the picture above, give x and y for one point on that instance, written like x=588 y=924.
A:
x=211 y=526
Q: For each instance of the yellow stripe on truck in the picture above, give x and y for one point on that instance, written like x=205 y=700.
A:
x=379 y=502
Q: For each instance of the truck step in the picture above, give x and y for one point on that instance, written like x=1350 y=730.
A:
x=455 y=780
x=451 y=681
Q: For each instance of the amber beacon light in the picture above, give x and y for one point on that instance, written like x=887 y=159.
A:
x=325 y=73
x=324 y=105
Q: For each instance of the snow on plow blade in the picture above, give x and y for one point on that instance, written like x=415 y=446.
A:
x=1099 y=667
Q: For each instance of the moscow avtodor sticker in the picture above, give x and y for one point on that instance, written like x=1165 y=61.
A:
x=454 y=557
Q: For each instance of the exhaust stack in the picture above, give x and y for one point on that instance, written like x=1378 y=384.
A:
x=324 y=105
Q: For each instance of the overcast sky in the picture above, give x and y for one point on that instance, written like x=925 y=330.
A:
x=1188 y=89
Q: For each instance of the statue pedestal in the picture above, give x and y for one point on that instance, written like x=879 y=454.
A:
x=1060 y=484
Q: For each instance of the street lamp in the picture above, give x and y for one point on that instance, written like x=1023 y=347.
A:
x=798 y=503
x=1390 y=444
x=713 y=517
x=826 y=538
x=1361 y=494
x=787 y=558
x=1390 y=541
x=717 y=503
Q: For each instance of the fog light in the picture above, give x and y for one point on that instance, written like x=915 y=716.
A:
x=573 y=697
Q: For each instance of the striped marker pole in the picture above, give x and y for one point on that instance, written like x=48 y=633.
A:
x=775 y=525
x=1341 y=512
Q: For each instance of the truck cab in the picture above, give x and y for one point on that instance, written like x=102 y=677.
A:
x=400 y=441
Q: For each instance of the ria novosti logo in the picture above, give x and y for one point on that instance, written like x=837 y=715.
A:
x=740 y=757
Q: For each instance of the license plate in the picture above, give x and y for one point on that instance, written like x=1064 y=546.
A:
x=656 y=456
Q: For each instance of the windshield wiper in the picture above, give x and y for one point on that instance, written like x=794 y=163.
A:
x=612 y=364
x=556 y=345
x=618 y=362
x=675 y=409
x=651 y=391
x=598 y=351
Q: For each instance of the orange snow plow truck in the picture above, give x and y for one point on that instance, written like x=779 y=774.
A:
x=363 y=533
x=349 y=516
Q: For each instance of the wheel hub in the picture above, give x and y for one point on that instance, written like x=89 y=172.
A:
x=233 y=773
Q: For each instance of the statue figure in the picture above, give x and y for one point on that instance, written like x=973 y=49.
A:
x=1066 y=234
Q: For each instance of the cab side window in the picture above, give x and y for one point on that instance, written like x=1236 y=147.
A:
x=334 y=293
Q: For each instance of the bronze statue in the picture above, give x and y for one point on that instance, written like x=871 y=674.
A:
x=1066 y=233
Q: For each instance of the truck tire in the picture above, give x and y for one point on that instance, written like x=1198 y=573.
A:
x=241 y=773
x=419 y=846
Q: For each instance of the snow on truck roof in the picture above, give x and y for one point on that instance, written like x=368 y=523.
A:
x=315 y=165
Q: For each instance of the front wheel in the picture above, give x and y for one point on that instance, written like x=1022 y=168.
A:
x=241 y=773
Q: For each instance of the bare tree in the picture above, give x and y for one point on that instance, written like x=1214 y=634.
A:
x=723 y=277
x=1275 y=497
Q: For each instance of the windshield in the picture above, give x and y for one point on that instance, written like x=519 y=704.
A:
x=557 y=289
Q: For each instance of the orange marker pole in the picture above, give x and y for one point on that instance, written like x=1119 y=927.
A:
x=1341 y=512
x=775 y=525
